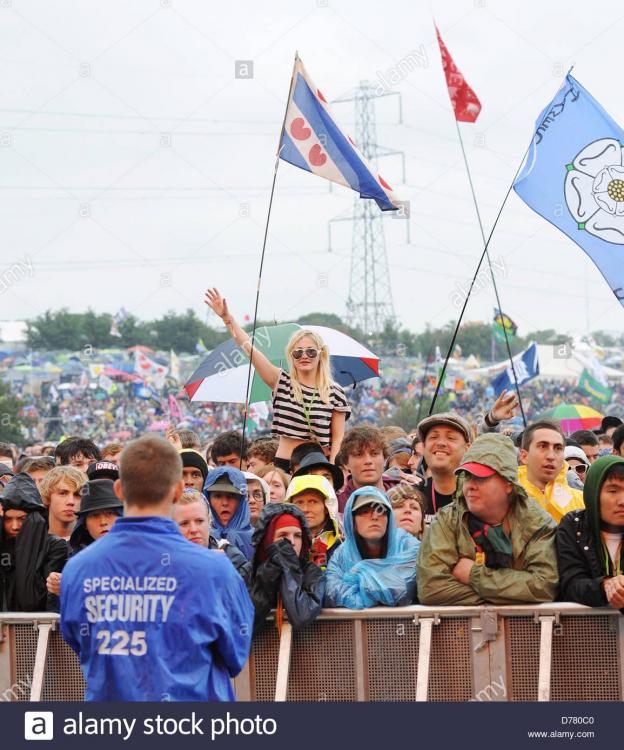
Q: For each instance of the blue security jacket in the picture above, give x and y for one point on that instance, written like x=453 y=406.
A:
x=153 y=617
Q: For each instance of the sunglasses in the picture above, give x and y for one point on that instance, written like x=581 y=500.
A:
x=310 y=353
x=580 y=469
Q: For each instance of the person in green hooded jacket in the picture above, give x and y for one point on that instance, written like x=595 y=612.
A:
x=493 y=544
x=589 y=542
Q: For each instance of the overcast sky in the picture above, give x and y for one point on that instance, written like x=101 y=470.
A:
x=129 y=153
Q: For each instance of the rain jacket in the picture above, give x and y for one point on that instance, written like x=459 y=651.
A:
x=580 y=548
x=558 y=498
x=532 y=576
x=26 y=562
x=298 y=581
x=166 y=619
x=327 y=541
x=355 y=583
x=239 y=529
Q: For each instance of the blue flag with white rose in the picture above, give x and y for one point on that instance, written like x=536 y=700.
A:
x=574 y=177
x=526 y=365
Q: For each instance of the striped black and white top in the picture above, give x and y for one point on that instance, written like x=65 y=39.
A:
x=289 y=417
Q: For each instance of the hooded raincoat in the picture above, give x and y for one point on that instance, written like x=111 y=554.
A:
x=356 y=583
x=296 y=580
x=166 y=619
x=581 y=553
x=26 y=562
x=239 y=529
x=532 y=575
x=327 y=541
x=558 y=498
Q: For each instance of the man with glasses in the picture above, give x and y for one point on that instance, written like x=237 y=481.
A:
x=257 y=495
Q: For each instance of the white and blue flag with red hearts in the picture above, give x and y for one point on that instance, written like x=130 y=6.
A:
x=312 y=140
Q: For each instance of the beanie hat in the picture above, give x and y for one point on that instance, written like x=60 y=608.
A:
x=193 y=459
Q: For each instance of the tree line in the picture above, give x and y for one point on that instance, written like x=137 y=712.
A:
x=181 y=332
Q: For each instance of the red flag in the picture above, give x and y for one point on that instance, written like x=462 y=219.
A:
x=465 y=102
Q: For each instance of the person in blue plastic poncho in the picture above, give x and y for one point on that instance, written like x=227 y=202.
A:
x=376 y=563
x=226 y=490
x=151 y=616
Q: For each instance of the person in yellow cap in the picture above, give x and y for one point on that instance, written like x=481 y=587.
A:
x=543 y=473
x=315 y=497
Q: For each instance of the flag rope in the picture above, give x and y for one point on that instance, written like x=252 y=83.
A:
x=472 y=283
x=494 y=284
x=266 y=232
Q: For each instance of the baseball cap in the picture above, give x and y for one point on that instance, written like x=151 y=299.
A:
x=223 y=486
x=103 y=470
x=363 y=500
x=479 y=470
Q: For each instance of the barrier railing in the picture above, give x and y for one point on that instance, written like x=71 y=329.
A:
x=555 y=651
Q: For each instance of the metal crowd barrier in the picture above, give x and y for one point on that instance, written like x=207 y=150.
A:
x=555 y=651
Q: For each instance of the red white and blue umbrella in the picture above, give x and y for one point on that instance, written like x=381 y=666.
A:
x=222 y=376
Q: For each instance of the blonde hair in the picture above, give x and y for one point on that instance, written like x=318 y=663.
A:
x=323 y=371
x=188 y=497
x=70 y=474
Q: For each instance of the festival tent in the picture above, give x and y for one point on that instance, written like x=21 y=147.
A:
x=556 y=362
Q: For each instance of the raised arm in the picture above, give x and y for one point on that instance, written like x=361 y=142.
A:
x=267 y=371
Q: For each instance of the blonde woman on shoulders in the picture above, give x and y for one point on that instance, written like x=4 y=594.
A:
x=307 y=404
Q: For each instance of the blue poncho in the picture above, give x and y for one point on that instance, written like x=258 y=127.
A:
x=356 y=583
x=239 y=529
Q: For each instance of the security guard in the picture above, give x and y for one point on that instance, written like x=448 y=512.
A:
x=151 y=616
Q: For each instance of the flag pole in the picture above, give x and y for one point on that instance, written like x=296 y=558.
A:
x=422 y=385
x=472 y=283
x=266 y=232
x=487 y=255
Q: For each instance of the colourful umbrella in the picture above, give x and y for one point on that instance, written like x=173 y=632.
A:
x=222 y=376
x=575 y=417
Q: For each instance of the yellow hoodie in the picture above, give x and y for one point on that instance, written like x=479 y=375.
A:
x=558 y=498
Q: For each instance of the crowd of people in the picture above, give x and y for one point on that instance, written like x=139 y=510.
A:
x=231 y=536
x=50 y=413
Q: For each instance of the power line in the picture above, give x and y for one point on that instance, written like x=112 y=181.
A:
x=151 y=133
x=105 y=116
